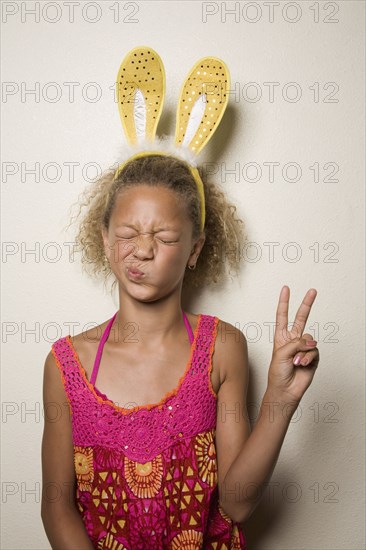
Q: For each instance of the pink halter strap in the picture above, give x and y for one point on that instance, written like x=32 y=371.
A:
x=105 y=337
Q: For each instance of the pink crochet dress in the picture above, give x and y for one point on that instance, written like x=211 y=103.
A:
x=147 y=475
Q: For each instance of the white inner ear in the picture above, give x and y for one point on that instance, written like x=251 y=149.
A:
x=195 y=118
x=139 y=114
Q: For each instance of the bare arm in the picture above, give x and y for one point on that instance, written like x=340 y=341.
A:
x=248 y=470
x=61 y=520
x=253 y=467
x=232 y=426
x=246 y=459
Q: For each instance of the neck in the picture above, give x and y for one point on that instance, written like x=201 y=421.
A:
x=147 y=324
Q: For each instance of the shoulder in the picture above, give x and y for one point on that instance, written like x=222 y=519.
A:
x=84 y=343
x=88 y=339
x=231 y=350
x=93 y=334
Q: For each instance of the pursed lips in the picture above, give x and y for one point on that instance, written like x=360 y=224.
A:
x=135 y=270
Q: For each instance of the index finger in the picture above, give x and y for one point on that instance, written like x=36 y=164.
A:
x=302 y=313
x=282 y=311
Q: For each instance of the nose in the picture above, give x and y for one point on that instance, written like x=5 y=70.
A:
x=144 y=246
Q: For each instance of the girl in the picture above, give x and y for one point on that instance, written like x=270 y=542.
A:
x=157 y=450
x=153 y=449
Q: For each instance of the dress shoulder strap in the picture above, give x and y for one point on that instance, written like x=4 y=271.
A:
x=100 y=349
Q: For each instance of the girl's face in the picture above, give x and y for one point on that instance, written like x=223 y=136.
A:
x=150 y=232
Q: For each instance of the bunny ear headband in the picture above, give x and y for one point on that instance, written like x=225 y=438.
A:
x=202 y=103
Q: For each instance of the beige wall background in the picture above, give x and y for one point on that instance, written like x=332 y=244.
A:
x=289 y=154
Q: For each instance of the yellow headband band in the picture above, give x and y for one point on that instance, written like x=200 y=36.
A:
x=193 y=170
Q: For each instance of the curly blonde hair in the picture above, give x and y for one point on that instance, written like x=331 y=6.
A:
x=224 y=232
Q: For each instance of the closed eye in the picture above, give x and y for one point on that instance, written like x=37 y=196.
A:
x=134 y=237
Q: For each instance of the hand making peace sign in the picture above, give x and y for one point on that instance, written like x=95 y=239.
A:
x=289 y=377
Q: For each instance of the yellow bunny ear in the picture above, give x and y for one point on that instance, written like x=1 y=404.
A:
x=140 y=93
x=202 y=103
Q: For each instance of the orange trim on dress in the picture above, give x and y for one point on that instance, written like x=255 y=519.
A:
x=138 y=407
x=62 y=376
x=212 y=345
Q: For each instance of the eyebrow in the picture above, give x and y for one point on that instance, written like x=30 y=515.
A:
x=156 y=230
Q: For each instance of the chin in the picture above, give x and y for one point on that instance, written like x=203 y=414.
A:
x=137 y=290
x=145 y=294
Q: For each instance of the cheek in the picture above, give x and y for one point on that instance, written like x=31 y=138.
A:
x=121 y=250
x=174 y=258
